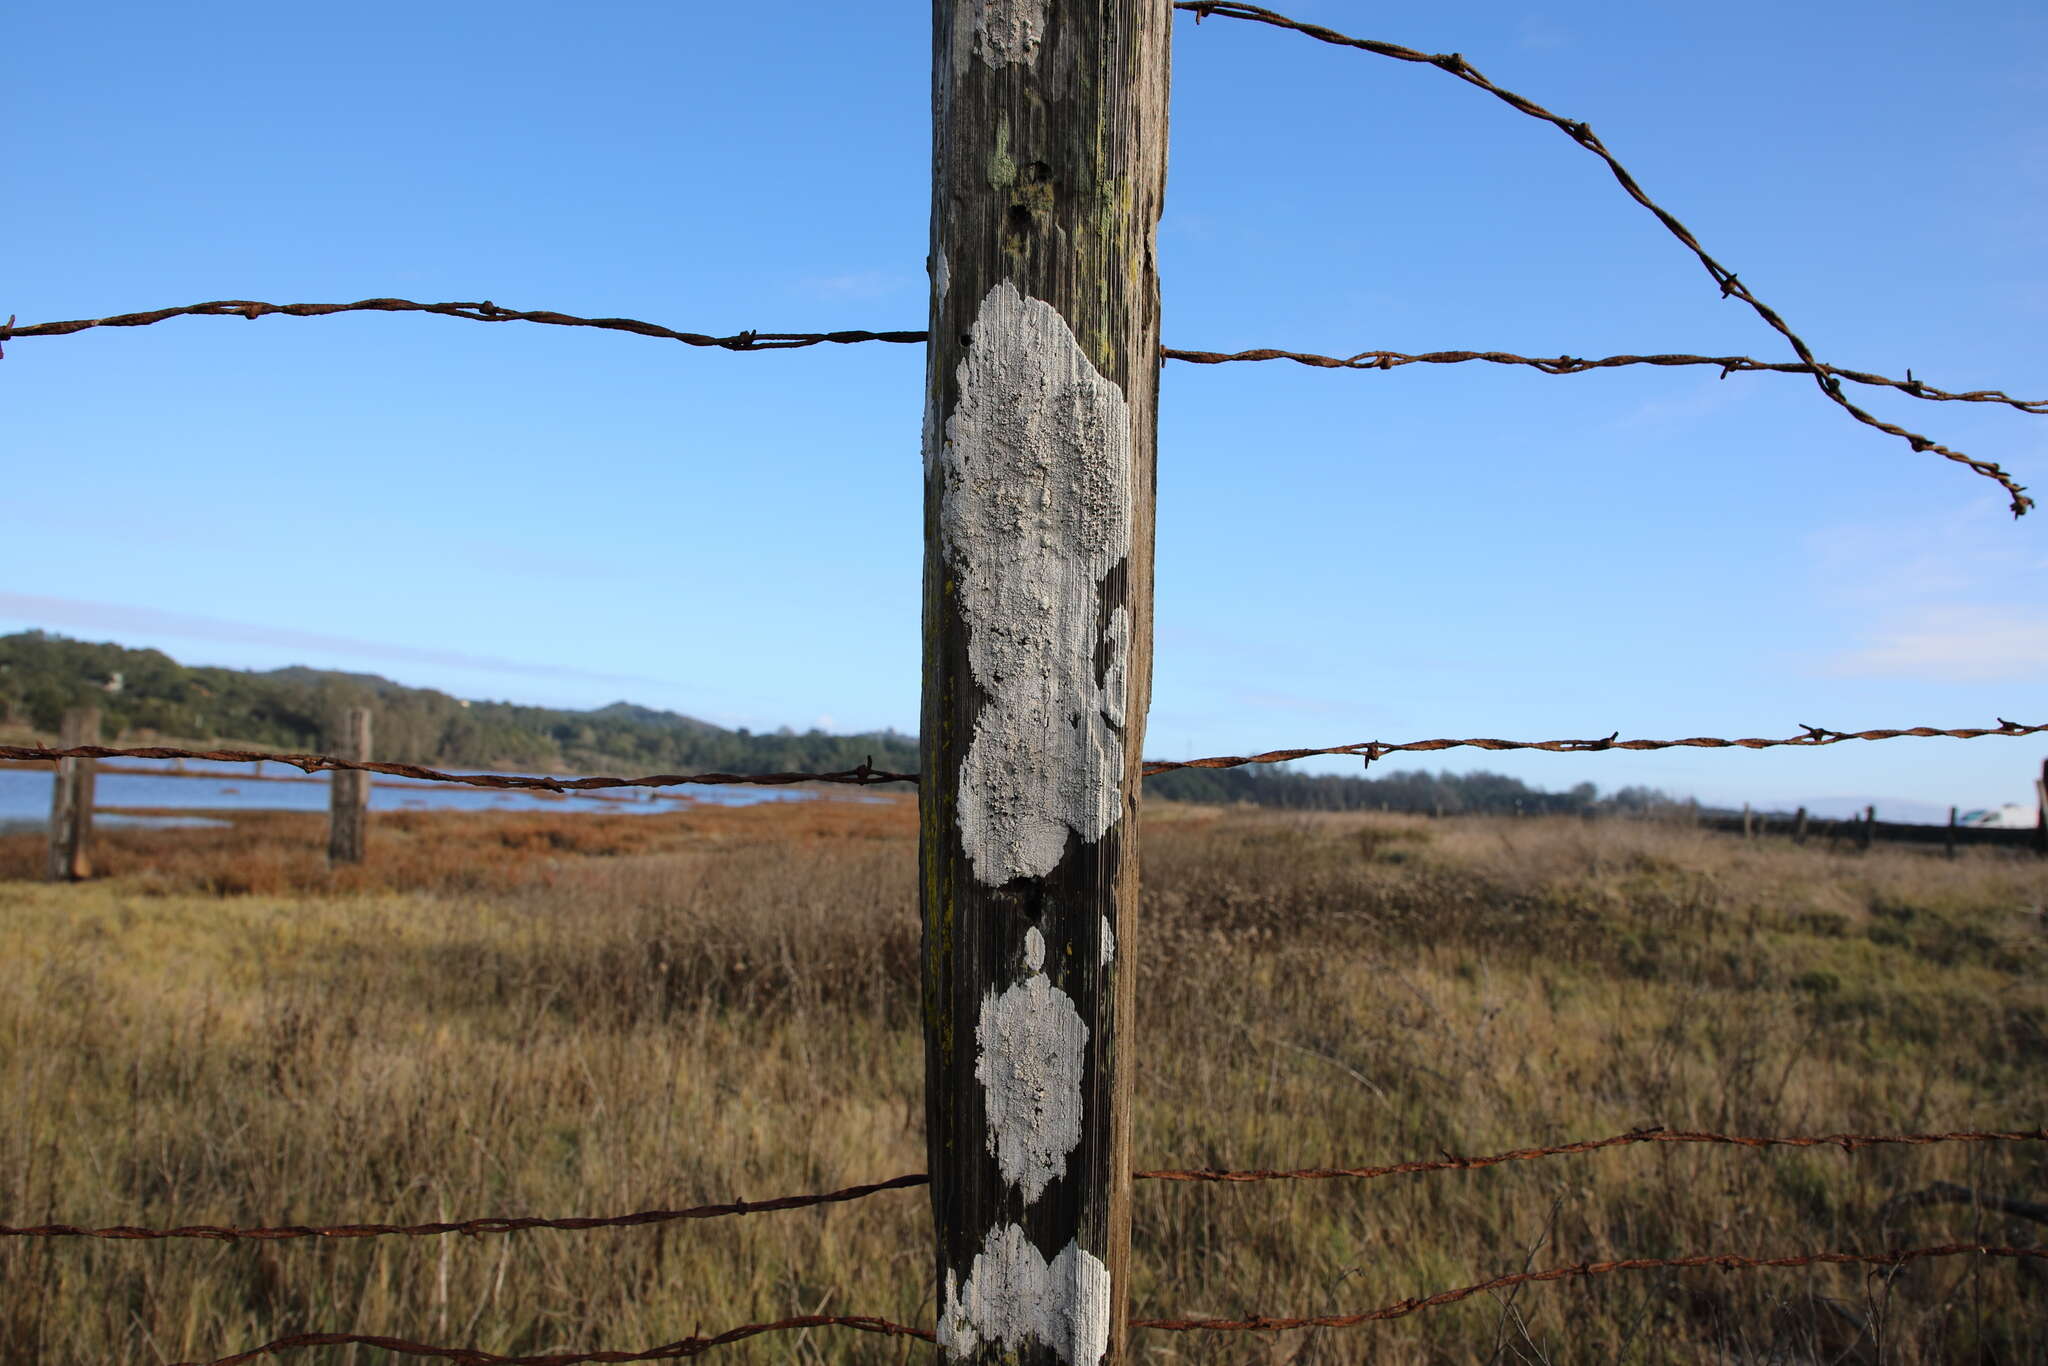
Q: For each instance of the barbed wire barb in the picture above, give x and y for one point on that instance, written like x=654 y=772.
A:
x=1580 y=132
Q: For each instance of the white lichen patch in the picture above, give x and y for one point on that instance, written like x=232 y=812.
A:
x=942 y=278
x=1034 y=511
x=1008 y=31
x=1108 y=943
x=1032 y=1046
x=1012 y=1294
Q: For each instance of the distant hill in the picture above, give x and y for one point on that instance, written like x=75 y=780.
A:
x=296 y=708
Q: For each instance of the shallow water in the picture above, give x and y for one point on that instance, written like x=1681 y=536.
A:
x=25 y=793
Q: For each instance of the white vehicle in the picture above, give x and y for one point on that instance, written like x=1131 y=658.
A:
x=2011 y=816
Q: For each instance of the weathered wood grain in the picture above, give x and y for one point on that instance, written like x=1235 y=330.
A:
x=1049 y=161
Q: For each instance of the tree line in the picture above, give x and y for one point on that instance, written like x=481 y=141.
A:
x=146 y=697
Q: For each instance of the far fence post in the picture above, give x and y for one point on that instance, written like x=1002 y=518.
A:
x=1748 y=829
x=71 y=797
x=1869 y=826
x=2041 y=812
x=1041 y=419
x=348 y=812
x=1799 y=826
x=1949 y=841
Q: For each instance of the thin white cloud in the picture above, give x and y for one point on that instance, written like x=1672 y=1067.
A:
x=74 y=614
x=1947 y=596
x=1962 y=556
x=1954 y=645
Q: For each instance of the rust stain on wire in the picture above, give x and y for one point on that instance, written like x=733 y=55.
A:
x=313 y=763
x=1574 y=365
x=1369 y=750
x=485 y=312
x=470 y=1226
x=1846 y=1142
x=1726 y=1261
x=1582 y=133
x=471 y=1356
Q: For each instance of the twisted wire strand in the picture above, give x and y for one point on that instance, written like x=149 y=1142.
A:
x=788 y=341
x=223 y=1233
x=471 y=1356
x=485 y=312
x=314 y=763
x=1582 y=133
x=1369 y=750
x=697 y=1345
x=1846 y=1142
x=1577 y=365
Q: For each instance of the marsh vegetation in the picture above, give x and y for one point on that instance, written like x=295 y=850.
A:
x=592 y=1014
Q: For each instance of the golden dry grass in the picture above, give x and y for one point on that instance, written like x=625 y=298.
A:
x=595 y=1013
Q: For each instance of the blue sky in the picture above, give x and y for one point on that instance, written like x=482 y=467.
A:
x=568 y=517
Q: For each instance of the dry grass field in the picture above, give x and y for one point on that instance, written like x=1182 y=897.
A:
x=594 y=1013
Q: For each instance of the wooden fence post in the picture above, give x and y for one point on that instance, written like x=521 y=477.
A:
x=1041 y=393
x=2041 y=812
x=348 y=810
x=1949 y=841
x=1799 y=827
x=71 y=797
x=1748 y=825
x=1869 y=827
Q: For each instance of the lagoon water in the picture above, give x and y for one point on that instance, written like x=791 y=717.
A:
x=25 y=794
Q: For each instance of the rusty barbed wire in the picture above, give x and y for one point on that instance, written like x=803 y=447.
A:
x=471 y=1356
x=1726 y=1261
x=1582 y=133
x=864 y=775
x=219 y=1233
x=784 y=341
x=485 y=312
x=696 y=1345
x=1369 y=750
x=1846 y=1142
x=1574 y=365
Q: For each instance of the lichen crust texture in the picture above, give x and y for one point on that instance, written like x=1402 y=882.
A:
x=1035 y=510
x=1012 y=1294
x=1007 y=31
x=1032 y=1047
